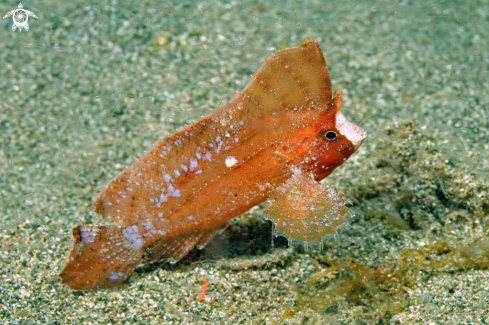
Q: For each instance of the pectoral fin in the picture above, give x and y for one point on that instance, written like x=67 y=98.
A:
x=305 y=211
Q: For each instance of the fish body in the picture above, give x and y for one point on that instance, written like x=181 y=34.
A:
x=283 y=129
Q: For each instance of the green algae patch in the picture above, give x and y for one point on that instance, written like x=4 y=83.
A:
x=384 y=291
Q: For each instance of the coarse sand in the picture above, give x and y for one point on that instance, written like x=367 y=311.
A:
x=93 y=85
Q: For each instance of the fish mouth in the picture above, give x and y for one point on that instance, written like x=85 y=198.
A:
x=351 y=131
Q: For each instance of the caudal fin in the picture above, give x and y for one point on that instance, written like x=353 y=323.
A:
x=101 y=258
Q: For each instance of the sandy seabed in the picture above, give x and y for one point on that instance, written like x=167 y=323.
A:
x=92 y=86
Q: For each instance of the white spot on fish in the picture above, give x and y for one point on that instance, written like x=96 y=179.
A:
x=159 y=232
x=208 y=156
x=193 y=164
x=219 y=147
x=231 y=161
x=133 y=237
x=176 y=193
x=176 y=173
x=184 y=168
x=198 y=172
x=190 y=218
x=88 y=234
x=114 y=276
x=178 y=142
x=167 y=177
x=163 y=198
x=148 y=225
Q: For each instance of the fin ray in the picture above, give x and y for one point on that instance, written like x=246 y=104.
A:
x=175 y=247
x=306 y=212
x=294 y=77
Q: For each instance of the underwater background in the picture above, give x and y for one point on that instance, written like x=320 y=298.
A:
x=91 y=86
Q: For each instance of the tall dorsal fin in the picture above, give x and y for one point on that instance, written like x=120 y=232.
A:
x=292 y=78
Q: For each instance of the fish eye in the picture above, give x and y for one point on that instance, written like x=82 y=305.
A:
x=330 y=135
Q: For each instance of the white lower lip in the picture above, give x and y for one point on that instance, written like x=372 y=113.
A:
x=351 y=131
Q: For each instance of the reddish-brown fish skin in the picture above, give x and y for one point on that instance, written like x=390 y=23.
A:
x=188 y=187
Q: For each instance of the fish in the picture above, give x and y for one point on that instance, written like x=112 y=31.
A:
x=274 y=141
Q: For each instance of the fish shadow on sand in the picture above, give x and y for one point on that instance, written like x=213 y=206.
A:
x=248 y=238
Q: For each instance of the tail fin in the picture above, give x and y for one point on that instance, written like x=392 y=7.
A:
x=101 y=258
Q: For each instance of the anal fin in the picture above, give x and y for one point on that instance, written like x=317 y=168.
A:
x=176 y=247
x=209 y=235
